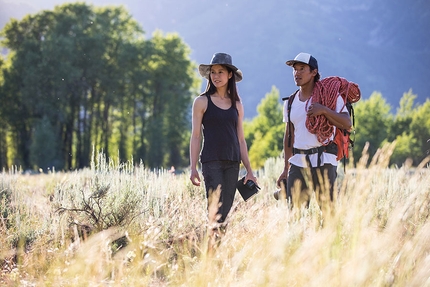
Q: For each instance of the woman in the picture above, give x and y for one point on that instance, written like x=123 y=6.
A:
x=218 y=112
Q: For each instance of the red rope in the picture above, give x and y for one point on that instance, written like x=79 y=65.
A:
x=326 y=92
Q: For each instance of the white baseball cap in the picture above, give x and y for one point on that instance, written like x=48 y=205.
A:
x=304 y=58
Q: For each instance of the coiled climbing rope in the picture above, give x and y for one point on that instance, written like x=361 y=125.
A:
x=326 y=92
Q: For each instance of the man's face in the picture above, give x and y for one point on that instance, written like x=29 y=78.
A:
x=302 y=74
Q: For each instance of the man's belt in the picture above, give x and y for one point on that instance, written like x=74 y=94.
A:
x=330 y=148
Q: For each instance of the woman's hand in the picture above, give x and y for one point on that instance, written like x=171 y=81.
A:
x=250 y=176
x=195 y=178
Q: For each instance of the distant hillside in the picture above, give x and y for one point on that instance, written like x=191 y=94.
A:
x=381 y=45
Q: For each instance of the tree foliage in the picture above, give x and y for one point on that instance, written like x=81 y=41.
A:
x=45 y=146
x=409 y=127
x=90 y=76
x=399 y=130
x=420 y=127
x=264 y=133
x=372 y=121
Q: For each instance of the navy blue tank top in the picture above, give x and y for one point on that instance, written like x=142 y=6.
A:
x=220 y=134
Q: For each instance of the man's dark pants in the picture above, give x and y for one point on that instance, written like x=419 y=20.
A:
x=322 y=179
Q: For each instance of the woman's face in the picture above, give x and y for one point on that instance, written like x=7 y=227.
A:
x=220 y=76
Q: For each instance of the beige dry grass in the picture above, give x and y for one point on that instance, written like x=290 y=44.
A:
x=376 y=234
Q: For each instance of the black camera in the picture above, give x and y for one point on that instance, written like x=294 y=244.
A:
x=247 y=189
x=250 y=184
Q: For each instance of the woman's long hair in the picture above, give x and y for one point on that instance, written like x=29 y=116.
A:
x=231 y=88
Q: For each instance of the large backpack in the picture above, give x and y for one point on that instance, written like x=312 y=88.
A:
x=342 y=137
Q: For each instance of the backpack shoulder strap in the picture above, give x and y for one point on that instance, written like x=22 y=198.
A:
x=351 y=111
x=289 y=104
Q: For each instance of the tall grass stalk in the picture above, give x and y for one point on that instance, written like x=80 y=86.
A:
x=145 y=227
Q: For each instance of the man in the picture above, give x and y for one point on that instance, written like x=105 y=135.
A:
x=310 y=159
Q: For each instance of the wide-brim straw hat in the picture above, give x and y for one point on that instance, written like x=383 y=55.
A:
x=220 y=59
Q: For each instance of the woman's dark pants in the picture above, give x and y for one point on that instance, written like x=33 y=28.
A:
x=225 y=174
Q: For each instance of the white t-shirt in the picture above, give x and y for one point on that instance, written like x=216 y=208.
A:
x=303 y=139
